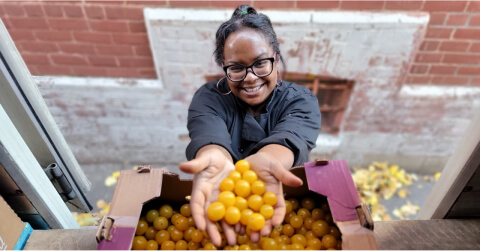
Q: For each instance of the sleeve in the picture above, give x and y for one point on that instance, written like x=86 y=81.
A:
x=298 y=126
x=207 y=122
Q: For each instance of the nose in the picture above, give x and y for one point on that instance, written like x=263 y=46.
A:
x=250 y=76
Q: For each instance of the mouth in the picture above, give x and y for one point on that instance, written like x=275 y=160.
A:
x=253 y=89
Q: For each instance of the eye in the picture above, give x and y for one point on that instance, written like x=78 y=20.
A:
x=236 y=68
x=261 y=63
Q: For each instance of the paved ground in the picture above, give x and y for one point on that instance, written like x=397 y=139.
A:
x=97 y=174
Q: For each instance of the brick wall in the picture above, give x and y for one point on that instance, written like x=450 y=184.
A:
x=108 y=38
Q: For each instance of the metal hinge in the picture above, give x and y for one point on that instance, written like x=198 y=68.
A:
x=57 y=177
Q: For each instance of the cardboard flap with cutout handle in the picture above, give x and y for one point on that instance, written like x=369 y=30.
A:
x=333 y=180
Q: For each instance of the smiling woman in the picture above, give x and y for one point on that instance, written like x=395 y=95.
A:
x=249 y=114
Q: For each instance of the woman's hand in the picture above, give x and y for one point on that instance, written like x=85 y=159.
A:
x=211 y=165
x=272 y=164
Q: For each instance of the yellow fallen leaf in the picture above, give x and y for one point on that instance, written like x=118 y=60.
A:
x=116 y=174
x=402 y=193
x=101 y=204
x=110 y=181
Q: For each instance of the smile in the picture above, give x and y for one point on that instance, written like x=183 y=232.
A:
x=253 y=89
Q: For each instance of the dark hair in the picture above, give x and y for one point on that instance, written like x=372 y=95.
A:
x=245 y=16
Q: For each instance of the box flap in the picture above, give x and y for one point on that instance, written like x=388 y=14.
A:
x=334 y=181
x=11 y=226
x=133 y=190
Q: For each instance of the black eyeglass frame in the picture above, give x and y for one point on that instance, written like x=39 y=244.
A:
x=272 y=60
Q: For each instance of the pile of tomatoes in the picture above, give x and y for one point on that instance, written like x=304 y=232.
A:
x=308 y=223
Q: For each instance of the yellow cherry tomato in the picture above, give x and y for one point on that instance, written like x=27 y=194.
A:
x=240 y=203
x=235 y=176
x=227 y=198
x=139 y=243
x=216 y=211
x=267 y=211
x=241 y=166
x=152 y=245
x=255 y=202
x=232 y=215
x=256 y=222
x=142 y=227
x=246 y=214
x=242 y=188
x=258 y=187
x=249 y=176
x=270 y=198
x=227 y=184
x=185 y=210
x=160 y=223
x=166 y=211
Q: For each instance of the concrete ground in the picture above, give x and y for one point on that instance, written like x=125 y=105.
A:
x=97 y=173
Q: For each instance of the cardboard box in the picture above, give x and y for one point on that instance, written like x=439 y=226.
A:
x=13 y=232
x=331 y=179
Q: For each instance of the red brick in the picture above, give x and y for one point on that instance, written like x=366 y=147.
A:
x=63 y=59
x=475 y=82
x=136 y=62
x=130 y=38
x=273 y=4
x=52 y=70
x=449 y=80
x=89 y=71
x=318 y=5
x=74 y=11
x=147 y=73
x=109 y=26
x=437 y=18
x=443 y=69
x=124 y=13
x=438 y=32
x=228 y=4
x=419 y=69
x=34 y=10
x=54 y=36
x=21 y=35
x=429 y=45
x=459 y=46
x=84 y=49
x=93 y=37
x=475 y=47
x=143 y=50
x=13 y=9
x=403 y=5
x=428 y=57
x=94 y=12
x=147 y=3
x=362 y=5
x=474 y=20
x=28 y=23
x=417 y=79
x=473 y=6
x=449 y=6
x=137 y=27
x=102 y=61
x=38 y=46
x=68 y=24
x=180 y=3
x=122 y=72
x=461 y=59
x=115 y=50
x=457 y=19
x=115 y=2
x=465 y=70
x=465 y=33
x=53 y=10
x=31 y=58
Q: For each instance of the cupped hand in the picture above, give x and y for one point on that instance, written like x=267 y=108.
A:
x=273 y=173
x=211 y=166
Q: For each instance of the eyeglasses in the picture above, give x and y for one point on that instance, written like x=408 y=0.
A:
x=238 y=72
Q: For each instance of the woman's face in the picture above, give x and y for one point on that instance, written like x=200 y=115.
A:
x=244 y=47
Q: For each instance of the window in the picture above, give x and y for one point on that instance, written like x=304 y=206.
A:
x=333 y=95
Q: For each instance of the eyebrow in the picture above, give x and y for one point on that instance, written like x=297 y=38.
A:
x=261 y=56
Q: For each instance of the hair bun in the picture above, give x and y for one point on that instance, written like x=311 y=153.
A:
x=243 y=10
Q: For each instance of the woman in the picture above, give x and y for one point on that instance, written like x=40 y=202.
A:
x=249 y=114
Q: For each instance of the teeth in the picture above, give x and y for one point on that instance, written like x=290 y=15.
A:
x=253 y=89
